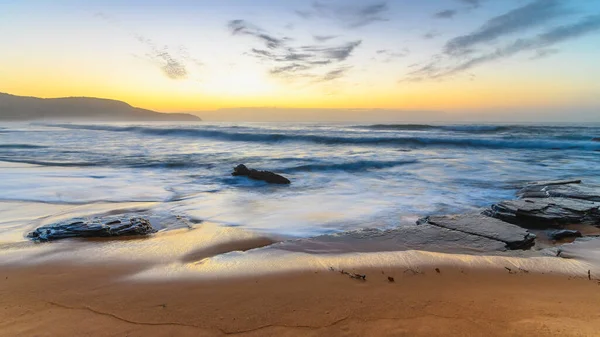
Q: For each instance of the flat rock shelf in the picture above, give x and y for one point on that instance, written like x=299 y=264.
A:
x=113 y=226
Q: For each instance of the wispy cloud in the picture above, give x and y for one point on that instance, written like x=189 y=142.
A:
x=387 y=56
x=335 y=74
x=173 y=62
x=336 y=53
x=531 y=15
x=431 y=35
x=445 y=14
x=289 y=60
x=472 y=3
x=540 y=43
x=543 y=53
x=324 y=38
x=241 y=27
x=350 y=16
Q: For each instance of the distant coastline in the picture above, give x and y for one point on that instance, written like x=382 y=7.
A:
x=22 y=108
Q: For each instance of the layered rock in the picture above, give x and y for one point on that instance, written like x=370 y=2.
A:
x=94 y=227
x=267 y=176
x=547 y=212
x=572 y=189
x=551 y=204
x=512 y=236
x=564 y=234
x=424 y=237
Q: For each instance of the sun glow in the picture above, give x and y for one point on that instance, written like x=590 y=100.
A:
x=239 y=83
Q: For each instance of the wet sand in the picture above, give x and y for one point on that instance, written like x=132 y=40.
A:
x=209 y=280
x=94 y=300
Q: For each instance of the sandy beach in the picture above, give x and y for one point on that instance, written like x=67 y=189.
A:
x=210 y=280
x=69 y=300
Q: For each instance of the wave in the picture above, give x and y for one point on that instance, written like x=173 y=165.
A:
x=356 y=166
x=21 y=146
x=49 y=163
x=480 y=128
x=428 y=127
x=413 y=141
x=138 y=163
x=456 y=128
x=407 y=127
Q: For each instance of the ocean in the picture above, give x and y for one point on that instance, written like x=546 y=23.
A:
x=344 y=176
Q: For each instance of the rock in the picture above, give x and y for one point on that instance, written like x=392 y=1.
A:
x=269 y=177
x=94 y=227
x=423 y=238
x=597 y=139
x=561 y=189
x=563 y=234
x=480 y=225
x=546 y=212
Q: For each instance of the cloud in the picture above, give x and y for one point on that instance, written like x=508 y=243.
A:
x=292 y=68
x=541 y=43
x=173 y=68
x=304 y=14
x=531 y=15
x=338 y=53
x=472 y=3
x=431 y=35
x=543 y=53
x=324 y=38
x=351 y=16
x=172 y=63
x=241 y=27
x=335 y=74
x=389 y=55
x=291 y=61
x=445 y=14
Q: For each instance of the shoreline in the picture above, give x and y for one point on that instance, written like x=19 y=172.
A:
x=60 y=299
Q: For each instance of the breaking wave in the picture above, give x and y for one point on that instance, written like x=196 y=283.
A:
x=356 y=166
x=358 y=139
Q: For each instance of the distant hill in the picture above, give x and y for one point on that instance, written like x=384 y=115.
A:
x=20 y=108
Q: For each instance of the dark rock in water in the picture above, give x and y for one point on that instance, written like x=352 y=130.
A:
x=563 y=234
x=561 y=189
x=547 y=212
x=480 y=225
x=95 y=227
x=270 y=177
x=241 y=170
x=597 y=139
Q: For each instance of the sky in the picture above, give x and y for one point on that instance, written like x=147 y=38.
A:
x=475 y=56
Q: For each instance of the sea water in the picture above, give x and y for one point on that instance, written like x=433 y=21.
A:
x=344 y=176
